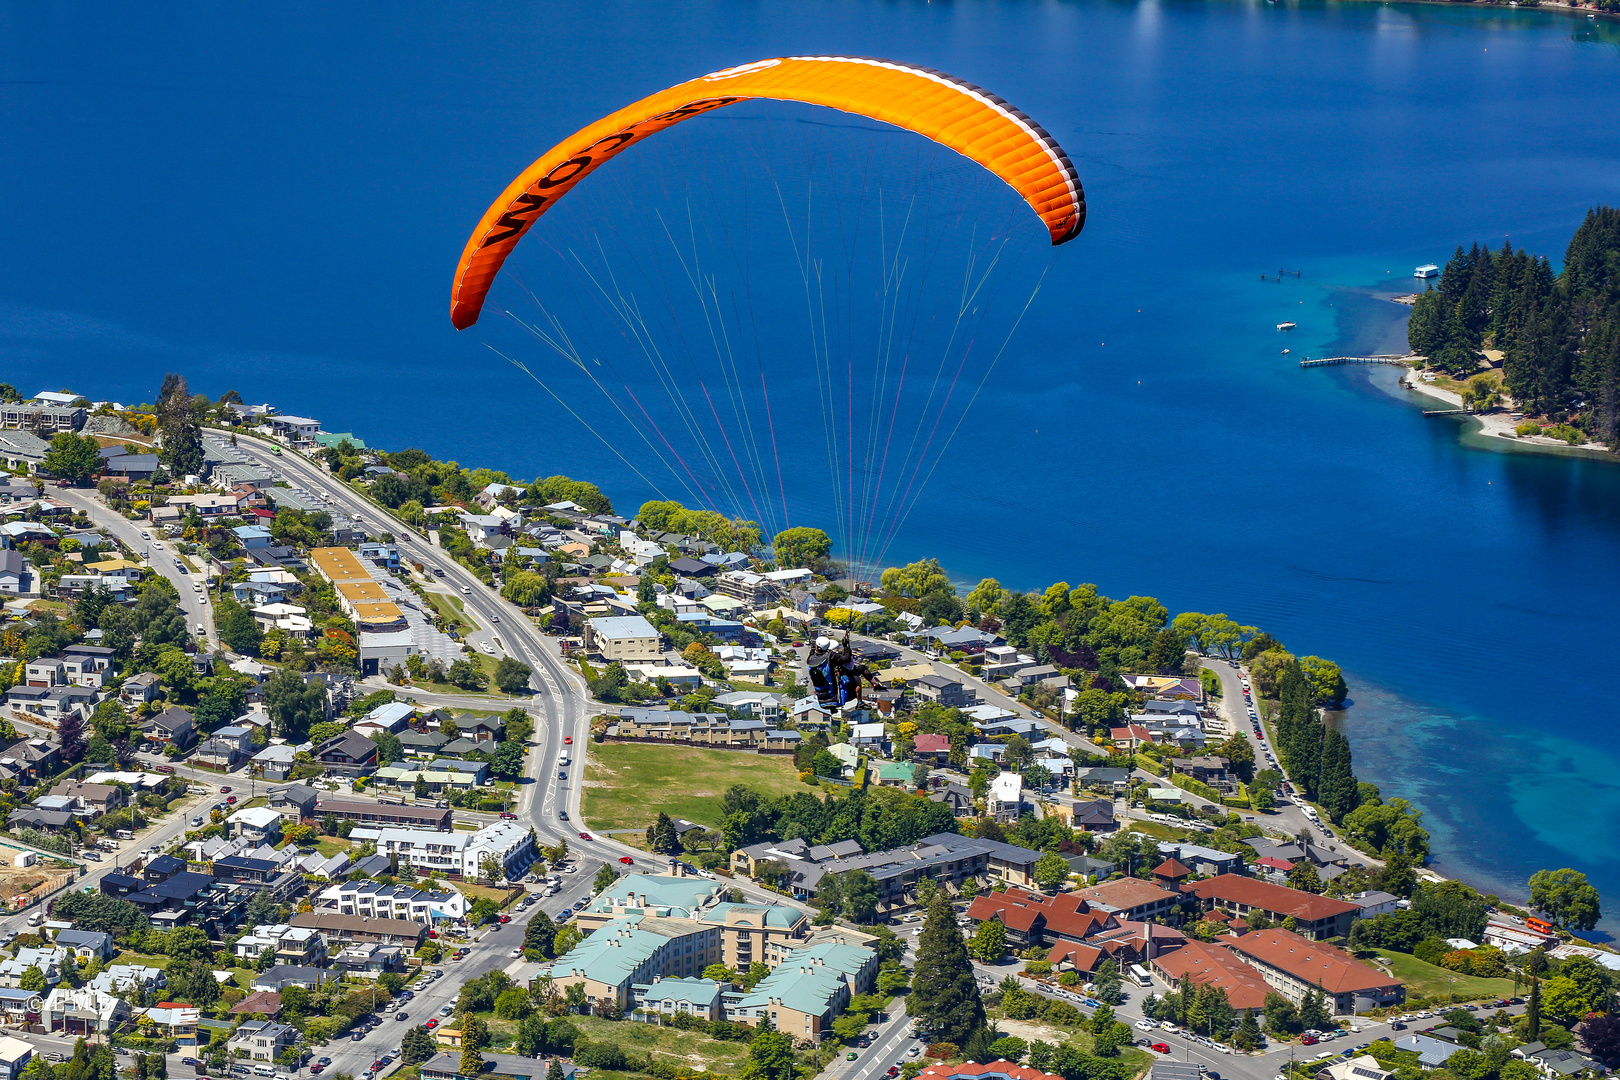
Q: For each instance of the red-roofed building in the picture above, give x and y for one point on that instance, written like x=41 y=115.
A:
x=1294 y=965
x=1271 y=862
x=1317 y=917
x=1131 y=898
x=934 y=746
x=997 y=1070
x=1131 y=736
x=1214 y=965
x=1170 y=873
x=1033 y=919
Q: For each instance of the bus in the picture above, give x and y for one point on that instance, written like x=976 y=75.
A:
x=1139 y=975
x=1540 y=926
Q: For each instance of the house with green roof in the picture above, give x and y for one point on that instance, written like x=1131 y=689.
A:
x=634 y=949
x=666 y=997
x=892 y=773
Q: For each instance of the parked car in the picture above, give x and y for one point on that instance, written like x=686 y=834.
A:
x=1160 y=1048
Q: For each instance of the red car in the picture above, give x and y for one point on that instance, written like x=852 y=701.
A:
x=894 y=1070
x=230 y=800
x=584 y=836
x=314 y=1070
x=226 y=790
x=433 y=933
x=1308 y=1040
x=432 y=1022
x=508 y=817
x=568 y=740
x=506 y=918
x=1160 y=1048
x=627 y=860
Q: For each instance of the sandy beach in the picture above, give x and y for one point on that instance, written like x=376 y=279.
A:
x=1496 y=424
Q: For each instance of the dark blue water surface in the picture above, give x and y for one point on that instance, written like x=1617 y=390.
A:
x=272 y=200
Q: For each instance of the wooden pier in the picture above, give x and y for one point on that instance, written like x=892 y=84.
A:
x=1400 y=361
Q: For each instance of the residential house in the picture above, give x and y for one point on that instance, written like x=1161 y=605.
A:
x=172 y=725
x=84 y=1011
x=98 y=799
x=348 y=754
x=281 y=976
x=17 y=576
x=357 y=928
x=258 y=823
x=139 y=689
x=943 y=691
x=87 y=944
x=294 y=801
x=263 y=1040
x=622 y=637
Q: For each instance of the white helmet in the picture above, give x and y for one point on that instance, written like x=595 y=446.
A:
x=824 y=643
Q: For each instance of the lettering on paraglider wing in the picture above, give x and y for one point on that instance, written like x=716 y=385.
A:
x=526 y=208
x=513 y=220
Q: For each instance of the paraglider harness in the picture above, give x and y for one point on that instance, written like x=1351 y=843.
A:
x=836 y=677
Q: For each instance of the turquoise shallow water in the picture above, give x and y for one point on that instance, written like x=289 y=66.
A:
x=274 y=202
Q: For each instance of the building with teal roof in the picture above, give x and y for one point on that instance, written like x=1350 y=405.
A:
x=894 y=773
x=807 y=990
x=661 y=895
x=666 y=997
x=634 y=949
x=756 y=933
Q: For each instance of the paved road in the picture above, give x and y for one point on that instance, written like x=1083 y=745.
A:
x=561 y=705
x=160 y=554
x=1288 y=817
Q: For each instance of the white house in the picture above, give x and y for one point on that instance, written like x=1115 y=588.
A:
x=1005 y=799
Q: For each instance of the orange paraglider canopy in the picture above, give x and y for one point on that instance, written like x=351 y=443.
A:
x=953 y=113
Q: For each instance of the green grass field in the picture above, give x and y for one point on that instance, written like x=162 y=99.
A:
x=626 y=784
x=1431 y=980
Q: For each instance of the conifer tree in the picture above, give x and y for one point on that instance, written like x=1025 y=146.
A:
x=944 y=995
x=1337 y=789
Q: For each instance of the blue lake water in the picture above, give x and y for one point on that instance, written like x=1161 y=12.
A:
x=273 y=202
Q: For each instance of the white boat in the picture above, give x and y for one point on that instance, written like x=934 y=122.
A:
x=1287 y=351
x=1285 y=326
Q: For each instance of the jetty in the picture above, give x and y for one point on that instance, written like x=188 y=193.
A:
x=1386 y=358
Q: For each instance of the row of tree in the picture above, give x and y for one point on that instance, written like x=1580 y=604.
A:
x=1559 y=333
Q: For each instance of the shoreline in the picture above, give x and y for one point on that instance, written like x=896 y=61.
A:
x=1552 y=6
x=1498 y=424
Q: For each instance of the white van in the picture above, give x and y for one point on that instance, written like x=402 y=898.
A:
x=466 y=591
x=36 y=918
x=564 y=759
x=264 y=1070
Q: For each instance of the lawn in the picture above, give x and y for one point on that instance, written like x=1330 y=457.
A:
x=689 y=1048
x=450 y=608
x=627 y=784
x=1430 y=980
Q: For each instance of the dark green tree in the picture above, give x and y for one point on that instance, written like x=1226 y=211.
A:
x=1337 y=790
x=179 y=432
x=1566 y=897
x=417 y=1045
x=72 y=457
x=944 y=996
x=540 y=933
x=661 y=836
